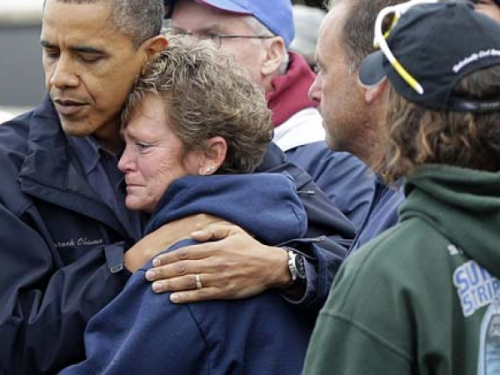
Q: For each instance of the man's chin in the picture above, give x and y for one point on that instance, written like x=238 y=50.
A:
x=332 y=145
x=75 y=132
x=75 y=128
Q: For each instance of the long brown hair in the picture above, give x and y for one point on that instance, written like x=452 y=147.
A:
x=417 y=135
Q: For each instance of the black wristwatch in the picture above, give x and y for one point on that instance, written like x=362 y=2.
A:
x=296 y=266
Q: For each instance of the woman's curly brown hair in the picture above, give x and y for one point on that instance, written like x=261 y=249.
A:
x=206 y=95
x=418 y=135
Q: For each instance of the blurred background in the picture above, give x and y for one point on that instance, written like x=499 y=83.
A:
x=21 y=73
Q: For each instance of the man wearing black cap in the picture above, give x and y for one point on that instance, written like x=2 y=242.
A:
x=433 y=304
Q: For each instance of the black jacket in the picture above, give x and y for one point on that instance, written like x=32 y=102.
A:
x=61 y=248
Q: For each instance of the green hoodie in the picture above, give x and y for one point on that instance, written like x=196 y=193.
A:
x=420 y=298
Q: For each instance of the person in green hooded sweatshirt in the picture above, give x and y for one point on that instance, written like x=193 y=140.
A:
x=424 y=297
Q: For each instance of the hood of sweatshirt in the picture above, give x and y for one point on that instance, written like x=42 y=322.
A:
x=462 y=204
x=265 y=205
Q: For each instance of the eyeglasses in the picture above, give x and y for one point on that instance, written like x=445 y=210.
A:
x=217 y=38
x=380 y=40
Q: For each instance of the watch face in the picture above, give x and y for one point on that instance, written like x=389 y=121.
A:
x=299 y=265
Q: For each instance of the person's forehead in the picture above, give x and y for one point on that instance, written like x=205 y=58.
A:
x=76 y=10
x=74 y=24
x=148 y=118
x=198 y=16
x=489 y=8
x=330 y=32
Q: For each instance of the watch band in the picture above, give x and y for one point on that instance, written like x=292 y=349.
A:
x=291 y=265
x=296 y=265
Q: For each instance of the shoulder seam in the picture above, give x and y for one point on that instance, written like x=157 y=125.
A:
x=368 y=332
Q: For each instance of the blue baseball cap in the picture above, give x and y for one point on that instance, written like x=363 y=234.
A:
x=276 y=15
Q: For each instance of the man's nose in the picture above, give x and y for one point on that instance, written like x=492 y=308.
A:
x=64 y=74
x=315 y=90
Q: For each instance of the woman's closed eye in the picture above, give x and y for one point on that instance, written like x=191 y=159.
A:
x=143 y=146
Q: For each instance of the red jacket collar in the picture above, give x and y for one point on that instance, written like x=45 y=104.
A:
x=290 y=91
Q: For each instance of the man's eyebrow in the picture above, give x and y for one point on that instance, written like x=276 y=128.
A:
x=87 y=49
x=47 y=44
x=210 y=29
x=207 y=29
x=81 y=49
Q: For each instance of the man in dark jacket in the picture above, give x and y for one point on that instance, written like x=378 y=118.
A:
x=66 y=238
x=353 y=114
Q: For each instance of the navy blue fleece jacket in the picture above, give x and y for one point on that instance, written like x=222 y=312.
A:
x=141 y=332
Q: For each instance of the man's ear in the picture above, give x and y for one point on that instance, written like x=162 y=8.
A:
x=375 y=92
x=155 y=45
x=214 y=157
x=150 y=48
x=274 y=55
